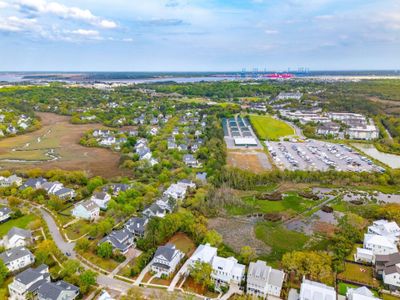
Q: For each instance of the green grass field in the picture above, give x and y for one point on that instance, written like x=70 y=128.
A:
x=280 y=239
x=22 y=222
x=359 y=274
x=291 y=204
x=269 y=128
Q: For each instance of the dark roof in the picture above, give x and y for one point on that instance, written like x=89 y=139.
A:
x=14 y=253
x=5 y=210
x=30 y=274
x=63 y=191
x=52 y=290
x=166 y=251
x=161 y=266
x=136 y=224
x=22 y=232
x=118 y=239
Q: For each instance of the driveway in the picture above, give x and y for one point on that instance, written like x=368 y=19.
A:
x=142 y=274
x=132 y=253
x=178 y=275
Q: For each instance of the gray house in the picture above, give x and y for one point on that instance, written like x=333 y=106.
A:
x=59 y=290
x=122 y=240
x=137 y=226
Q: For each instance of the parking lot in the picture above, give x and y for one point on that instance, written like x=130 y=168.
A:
x=319 y=155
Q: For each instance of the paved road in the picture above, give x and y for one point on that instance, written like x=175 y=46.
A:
x=102 y=280
x=55 y=233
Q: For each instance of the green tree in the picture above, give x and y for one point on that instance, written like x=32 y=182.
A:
x=201 y=273
x=247 y=254
x=213 y=238
x=86 y=280
x=105 y=250
x=3 y=272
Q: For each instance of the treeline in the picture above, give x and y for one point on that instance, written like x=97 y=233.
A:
x=241 y=179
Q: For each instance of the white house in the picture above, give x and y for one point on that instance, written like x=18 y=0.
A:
x=380 y=244
x=364 y=255
x=361 y=293
x=5 y=213
x=262 y=280
x=17 y=237
x=289 y=96
x=28 y=281
x=17 y=258
x=311 y=290
x=87 y=210
x=203 y=254
x=9 y=181
x=166 y=259
x=101 y=199
x=227 y=270
x=385 y=228
x=176 y=191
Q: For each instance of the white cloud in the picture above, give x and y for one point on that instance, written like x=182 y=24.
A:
x=3 y=4
x=63 y=11
x=16 y=24
x=86 y=32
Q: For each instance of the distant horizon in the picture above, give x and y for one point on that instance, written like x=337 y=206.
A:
x=208 y=71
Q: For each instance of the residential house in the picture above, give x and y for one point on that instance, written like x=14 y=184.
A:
x=361 y=293
x=17 y=258
x=137 y=226
x=155 y=210
x=176 y=191
x=227 y=270
x=187 y=183
x=34 y=183
x=203 y=254
x=87 y=210
x=380 y=244
x=105 y=296
x=5 y=214
x=116 y=188
x=182 y=147
x=101 y=199
x=387 y=268
x=262 y=280
x=202 y=177
x=166 y=259
x=17 y=237
x=11 y=130
x=28 y=281
x=9 y=181
x=385 y=228
x=191 y=161
x=59 y=290
x=172 y=145
x=121 y=239
x=311 y=290
x=65 y=193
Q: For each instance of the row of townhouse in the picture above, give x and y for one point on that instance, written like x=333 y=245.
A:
x=381 y=249
x=312 y=290
x=262 y=280
x=125 y=238
x=36 y=282
x=144 y=152
x=52 y=188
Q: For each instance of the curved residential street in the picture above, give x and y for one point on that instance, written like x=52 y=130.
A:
x=64 y=246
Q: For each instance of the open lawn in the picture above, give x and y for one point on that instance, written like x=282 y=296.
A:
x=389 y=297
x=279 y=239
x=290 y=204
x=269 y=128
x=22 y=222
x=183 y=243
x=358 y=273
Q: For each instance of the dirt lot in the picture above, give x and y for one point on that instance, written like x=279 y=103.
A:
x=58 y=138
x=238 y=232
x=249 y=160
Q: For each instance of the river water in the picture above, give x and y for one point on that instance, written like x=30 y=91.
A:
x=391 y=160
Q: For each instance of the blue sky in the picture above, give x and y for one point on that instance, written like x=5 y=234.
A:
x=198 y=35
